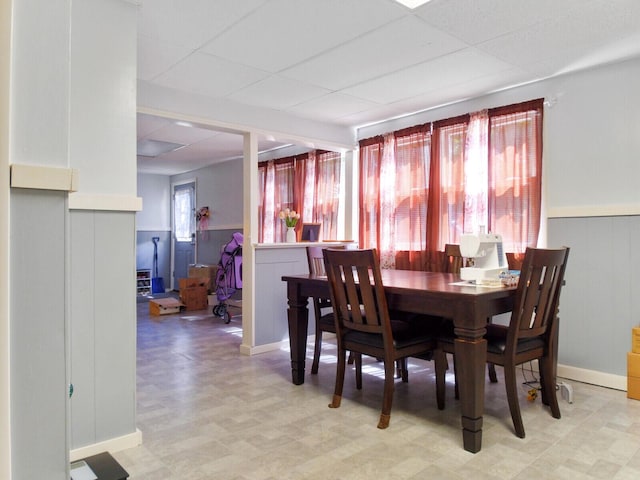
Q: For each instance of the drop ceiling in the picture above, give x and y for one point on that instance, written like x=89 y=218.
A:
x=355 y=62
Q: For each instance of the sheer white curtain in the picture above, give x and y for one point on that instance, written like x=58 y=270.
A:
x=476 y=173
x=388 y=204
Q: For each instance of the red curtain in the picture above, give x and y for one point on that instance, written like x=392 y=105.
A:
x=326 y=192
x=445 y=209
x=479 y=170
x=515 y=174
x=307 y=183
x=371 y=151
x=412 y=159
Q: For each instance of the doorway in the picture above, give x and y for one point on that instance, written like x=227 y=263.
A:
x=184 y=230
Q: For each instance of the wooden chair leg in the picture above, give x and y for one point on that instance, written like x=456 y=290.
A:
x=387 y=398
x=548 y=383
x=491 y=368
x=512 y=396
x=440 y=360
x=402 y=370
x=455 y=380
x=340 y=368
x=316 y=352
x=358 y=362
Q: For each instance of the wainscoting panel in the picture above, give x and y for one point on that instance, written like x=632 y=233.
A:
x=600 y=302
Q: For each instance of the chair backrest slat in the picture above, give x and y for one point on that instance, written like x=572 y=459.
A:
x=356 y=288
x=538 y=294
x=453 y=260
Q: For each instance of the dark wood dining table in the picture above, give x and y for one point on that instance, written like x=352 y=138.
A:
x=437 y=294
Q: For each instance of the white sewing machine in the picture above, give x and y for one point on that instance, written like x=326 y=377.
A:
x=486 y=255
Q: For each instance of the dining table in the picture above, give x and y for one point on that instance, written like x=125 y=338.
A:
x=436 y=294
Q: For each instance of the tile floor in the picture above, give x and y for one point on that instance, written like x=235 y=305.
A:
x=207 y=412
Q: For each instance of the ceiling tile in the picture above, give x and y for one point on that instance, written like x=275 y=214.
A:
x=277 y=93
x=476 y=22
x=209 y=75
x=155 y=58
x=568 y=37
x=190 y=23
x=291 y=31
x=331 y=107
x=442 y=72
x=373 y=55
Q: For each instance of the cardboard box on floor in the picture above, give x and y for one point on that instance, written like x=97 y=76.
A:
x=193 y=292
x=164 y=306
x=633 y=375
x=204 y=271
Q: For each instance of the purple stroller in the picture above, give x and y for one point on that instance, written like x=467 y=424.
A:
x=229 y=275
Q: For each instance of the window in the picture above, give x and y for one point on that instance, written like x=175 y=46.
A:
x=309 y=184
x=183 y=211
x=422 y=187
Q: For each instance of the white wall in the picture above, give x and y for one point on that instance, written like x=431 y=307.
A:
x=155 y=191
x=72 y=98
x=219 y=187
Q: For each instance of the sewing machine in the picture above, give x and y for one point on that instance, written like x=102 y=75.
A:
x=486 y=256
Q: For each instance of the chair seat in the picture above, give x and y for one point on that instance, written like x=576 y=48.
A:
x=405 y=334
x=497 y=340
x=327 y=321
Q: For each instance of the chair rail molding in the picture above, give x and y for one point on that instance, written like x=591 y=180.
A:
x=43 y=177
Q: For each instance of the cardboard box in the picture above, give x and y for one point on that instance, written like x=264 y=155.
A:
x=633 y=364
x=633 y=388
x=164 y=306
x=194 y=298
x=633 y=375
x=635 y=340
x=204 y=271
x=185 y=283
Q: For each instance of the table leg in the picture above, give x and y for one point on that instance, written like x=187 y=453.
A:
x=471 y=358
x=298 y=317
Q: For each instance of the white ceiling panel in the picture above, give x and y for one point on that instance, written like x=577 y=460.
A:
x=190 y=23
x=457 y=68
x=373 y=55
x=287 y=32
x=478 y=21
x=208 y=75
x=277 y=93
x=565 y=37
x=332 y=107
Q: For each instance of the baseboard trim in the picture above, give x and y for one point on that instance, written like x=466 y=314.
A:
x=607 y=380
x=269 y=347
x=111 y=445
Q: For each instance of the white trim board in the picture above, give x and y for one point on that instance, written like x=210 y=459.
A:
x=112 y=445
x=593 y=211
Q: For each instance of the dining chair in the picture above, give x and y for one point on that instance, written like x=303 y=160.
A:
x=363 y=323
x=530 y=335
x=322 y=307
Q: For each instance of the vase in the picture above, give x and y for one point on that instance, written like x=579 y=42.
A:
x=291 y=235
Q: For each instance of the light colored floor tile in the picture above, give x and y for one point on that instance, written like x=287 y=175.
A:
x=207 y=412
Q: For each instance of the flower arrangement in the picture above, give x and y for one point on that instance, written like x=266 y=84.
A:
x=290 y=217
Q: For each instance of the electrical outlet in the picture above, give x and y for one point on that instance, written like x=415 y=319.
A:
x=566 y=391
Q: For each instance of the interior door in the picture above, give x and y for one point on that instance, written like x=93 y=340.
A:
x=184 y=230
